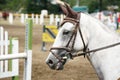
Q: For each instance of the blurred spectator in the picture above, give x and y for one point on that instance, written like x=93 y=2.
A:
x=119 y=20
x=5 y=15
x=0 y=14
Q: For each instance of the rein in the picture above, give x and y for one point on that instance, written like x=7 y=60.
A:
x=94 y=50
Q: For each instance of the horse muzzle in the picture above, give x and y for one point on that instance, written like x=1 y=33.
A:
x=55 y=66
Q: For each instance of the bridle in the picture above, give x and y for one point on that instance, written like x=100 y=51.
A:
x=67 y=48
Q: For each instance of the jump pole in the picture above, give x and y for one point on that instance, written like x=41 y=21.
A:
x=43 y=42
x=28 y=50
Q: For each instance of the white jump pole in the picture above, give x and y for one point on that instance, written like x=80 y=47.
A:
x=51 y=19
x=22 y=18
x=57 y=20
x=32 y=17
x=41 y=19
x=36 y=19
x=26 y=16
x=10 y=18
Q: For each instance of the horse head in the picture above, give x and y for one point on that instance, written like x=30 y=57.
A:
x=69 y=40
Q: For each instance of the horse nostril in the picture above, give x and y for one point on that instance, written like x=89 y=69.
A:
x=50 y=62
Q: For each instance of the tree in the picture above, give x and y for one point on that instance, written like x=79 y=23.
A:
x=95 y=4
x=35 y=6
x=2 y=3
x=12 y=5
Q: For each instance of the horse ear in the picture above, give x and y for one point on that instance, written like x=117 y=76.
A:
x=67 y=10
x=71 y=13
x=64 y=9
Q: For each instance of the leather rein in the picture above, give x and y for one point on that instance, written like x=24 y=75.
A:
x=69 y=49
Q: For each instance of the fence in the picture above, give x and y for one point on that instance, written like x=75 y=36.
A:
x=37 y=18
x=9 y=64
x=48 y=35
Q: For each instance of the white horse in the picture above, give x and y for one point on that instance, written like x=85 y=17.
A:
x=95 y=35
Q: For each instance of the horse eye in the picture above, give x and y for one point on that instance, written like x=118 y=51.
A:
x=66 y=32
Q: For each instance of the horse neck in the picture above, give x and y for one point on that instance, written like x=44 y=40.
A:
x=98 y=33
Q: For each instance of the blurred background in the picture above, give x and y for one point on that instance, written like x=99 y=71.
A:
x=35 y=6
x=46 y=19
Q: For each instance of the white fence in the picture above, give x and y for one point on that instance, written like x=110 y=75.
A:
x=37 y=18
x=8 y=68
x=9 y=64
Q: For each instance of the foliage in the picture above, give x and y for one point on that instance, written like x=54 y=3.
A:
x=12 y=5
x=94 y=5
x=35 y=6
x=2 y=3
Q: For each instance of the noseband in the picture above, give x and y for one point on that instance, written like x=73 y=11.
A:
x=67 y=48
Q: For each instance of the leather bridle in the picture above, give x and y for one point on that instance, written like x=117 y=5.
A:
x=67 y=48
